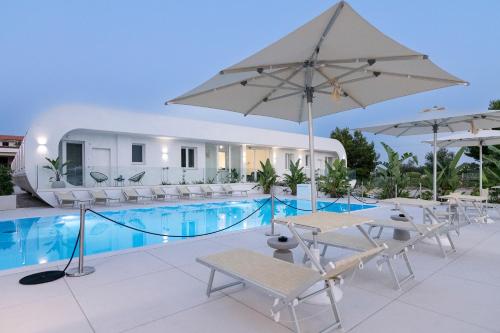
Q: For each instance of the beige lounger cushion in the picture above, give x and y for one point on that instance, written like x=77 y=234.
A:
x=359 y=243
x=324 y=221
x=283 y=278
x=421 y=228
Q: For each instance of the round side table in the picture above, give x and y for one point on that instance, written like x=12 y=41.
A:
x=399 y=234
x=282 y=249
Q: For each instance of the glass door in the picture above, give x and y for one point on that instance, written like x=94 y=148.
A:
x=74 y=169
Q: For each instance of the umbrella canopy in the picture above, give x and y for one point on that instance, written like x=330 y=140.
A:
x=443 y=124
x=338 y=59
x=468 y=139
x=427 y=125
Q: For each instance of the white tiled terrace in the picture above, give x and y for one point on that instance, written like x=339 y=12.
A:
x=162 y=289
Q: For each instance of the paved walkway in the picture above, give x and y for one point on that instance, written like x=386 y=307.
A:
x=162 y=289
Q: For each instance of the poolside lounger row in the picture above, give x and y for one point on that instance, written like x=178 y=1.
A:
x=287 y=282
x=99 y=196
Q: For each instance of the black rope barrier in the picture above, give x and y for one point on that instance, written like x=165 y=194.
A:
x=365 y=202
x=306 y=210
x=52 y=275
x=178 y=236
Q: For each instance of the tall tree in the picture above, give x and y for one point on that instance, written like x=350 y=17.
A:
x=361 y=154
x=444 y=157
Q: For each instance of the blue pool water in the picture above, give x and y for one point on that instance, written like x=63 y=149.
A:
x=37 y=240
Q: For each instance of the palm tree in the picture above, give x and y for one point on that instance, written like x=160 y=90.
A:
x=394 y=180
x=447 y=178
x=335 y=182
x=296 y=176
x=266 y=176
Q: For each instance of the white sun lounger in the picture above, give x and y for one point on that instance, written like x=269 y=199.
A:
x=285 y=281
x=185 y=192
x=230 y=191
x=431 y=231
x=68 y=198
x=208 y=191
x=131 y=194
x=392 y=251
x=160 y=194
x=100 y=196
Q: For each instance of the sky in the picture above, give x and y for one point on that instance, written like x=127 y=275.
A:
x=135 y=55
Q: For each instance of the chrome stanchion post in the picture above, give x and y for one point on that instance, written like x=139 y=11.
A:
x=272 y=232
x=349 y=199
x=81 y=270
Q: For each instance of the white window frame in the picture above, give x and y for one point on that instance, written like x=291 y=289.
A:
x=329 y=159
x=143 y=153
x=195 y=157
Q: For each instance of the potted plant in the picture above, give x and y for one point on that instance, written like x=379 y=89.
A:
x=296 y=176
x=57 y=168
x=266 y=176
x=7 y=196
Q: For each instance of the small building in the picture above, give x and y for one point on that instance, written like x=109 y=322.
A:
x=118 y=145
x=9 y=144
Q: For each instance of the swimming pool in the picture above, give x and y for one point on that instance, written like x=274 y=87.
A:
x=30 y=241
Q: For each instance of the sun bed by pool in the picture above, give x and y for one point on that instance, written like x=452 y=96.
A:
x=285 y=281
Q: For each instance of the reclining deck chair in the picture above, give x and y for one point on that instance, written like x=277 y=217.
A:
x=434 y=230
x=392 y=251
x=131 y=194
x=231 y=191
x=100 y=196
x=285 y=281
x=185 y=192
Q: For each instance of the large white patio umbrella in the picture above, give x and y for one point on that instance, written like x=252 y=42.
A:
x=468 y=139
x=338 y=60
x=468 y=122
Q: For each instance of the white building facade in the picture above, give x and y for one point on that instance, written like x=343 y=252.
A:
x=119 y=145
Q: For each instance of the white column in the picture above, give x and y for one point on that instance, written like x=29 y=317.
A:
x=243 y=162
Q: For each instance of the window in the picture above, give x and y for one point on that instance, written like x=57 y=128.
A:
x=329 y=159
x=188 y=157
x=137 y=153
x=307 y=161
x=5 y=144
x=288 y=160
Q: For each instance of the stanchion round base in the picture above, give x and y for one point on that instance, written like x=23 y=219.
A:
x=270 y=233
x=41 y=277
x=75 y=272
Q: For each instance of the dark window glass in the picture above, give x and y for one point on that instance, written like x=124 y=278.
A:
x=191 y=158
x=183 y=157
x=137 y=154
x=5 y=144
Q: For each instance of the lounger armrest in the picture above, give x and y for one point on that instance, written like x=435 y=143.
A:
x=354 y=261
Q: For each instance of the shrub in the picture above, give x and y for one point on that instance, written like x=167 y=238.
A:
x=6 y=186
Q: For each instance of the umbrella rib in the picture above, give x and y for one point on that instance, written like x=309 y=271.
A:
x=283 y=96
x=272 y=91
x=283 y=80
x=323 y=62
x=410 y=76
x=403 y=132
x=378 y=59
x=315 y=54
x=257 y=77
x=272 y=87
x=358 y=79
x=385 y=129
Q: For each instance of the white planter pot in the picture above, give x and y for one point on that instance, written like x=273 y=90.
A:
x=58 y=184
x=7 y=202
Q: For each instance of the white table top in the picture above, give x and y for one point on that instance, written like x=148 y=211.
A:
x=412 y=202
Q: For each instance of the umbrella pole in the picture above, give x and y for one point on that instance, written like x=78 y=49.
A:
x=480 y=167
x=434 y=163
x=309 y=95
